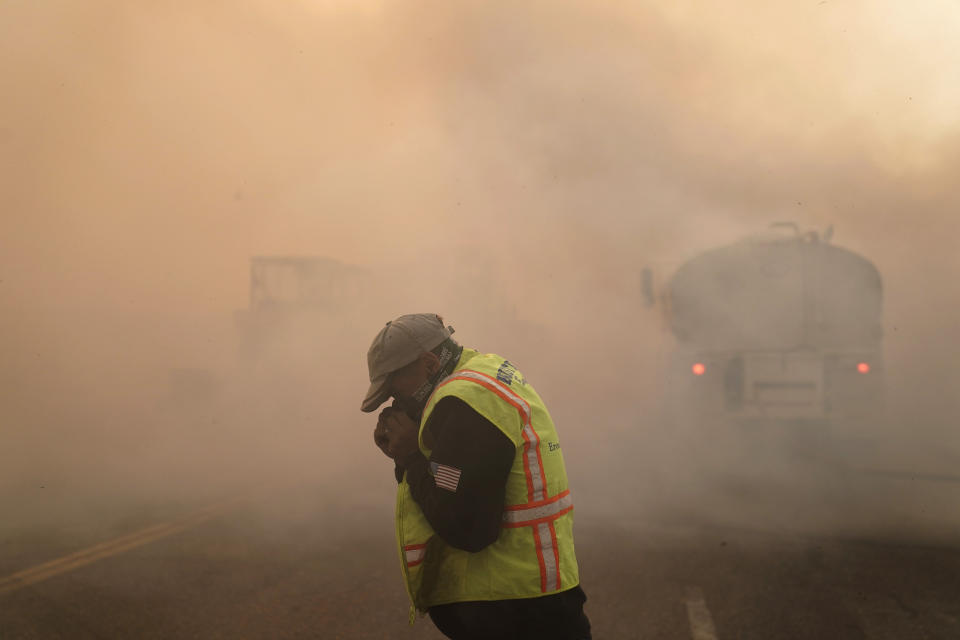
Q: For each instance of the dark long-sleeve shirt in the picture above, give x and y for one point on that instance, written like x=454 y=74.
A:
x=465 y=511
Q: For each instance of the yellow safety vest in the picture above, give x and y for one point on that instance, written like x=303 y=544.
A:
x=533 y=555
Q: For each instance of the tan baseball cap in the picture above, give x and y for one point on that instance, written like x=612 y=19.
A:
x=398 y=344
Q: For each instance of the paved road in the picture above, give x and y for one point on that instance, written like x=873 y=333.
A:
x=289 y=562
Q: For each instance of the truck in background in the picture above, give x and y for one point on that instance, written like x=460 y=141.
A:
x=783 y=327
x=300 y=300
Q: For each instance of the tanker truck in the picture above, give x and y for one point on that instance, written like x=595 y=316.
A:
x=779 y=328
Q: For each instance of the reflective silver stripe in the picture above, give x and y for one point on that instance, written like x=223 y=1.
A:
x=415 y=555
x=545 y=542
x=536 y=478
x=532 y=462
x=529 y=514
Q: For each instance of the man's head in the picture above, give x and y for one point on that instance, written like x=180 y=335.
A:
x=401 y=361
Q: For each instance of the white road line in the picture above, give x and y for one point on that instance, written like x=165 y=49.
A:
x=113 y=547
x=701 y=623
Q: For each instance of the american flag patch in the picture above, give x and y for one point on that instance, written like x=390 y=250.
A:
x=445 y=477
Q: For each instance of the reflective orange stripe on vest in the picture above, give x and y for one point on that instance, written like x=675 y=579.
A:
x=540 y=511
x=414 y=554
x=533 y=513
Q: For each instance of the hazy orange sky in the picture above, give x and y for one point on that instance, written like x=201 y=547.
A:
x=148 y=150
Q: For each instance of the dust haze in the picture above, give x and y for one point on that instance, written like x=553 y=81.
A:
x=513 y=168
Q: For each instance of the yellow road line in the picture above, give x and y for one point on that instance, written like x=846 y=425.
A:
x=112 y=547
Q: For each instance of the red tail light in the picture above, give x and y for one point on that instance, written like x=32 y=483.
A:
x=698 y=369
x=863 y=367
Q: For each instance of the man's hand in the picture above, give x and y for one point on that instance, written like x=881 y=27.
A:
x=380 y=432
x=395 y=433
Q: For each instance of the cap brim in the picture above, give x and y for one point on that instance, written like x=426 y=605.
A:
x=376 y=395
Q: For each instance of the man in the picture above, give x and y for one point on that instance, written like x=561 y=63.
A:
x=484 y=514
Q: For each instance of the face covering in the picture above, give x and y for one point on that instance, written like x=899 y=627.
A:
x=449 y=354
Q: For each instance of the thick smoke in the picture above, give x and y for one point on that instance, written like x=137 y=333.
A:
x=510 y=167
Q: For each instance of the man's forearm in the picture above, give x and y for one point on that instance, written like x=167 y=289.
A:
x=459 y=518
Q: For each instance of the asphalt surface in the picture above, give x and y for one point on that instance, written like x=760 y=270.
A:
x=869 y=552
